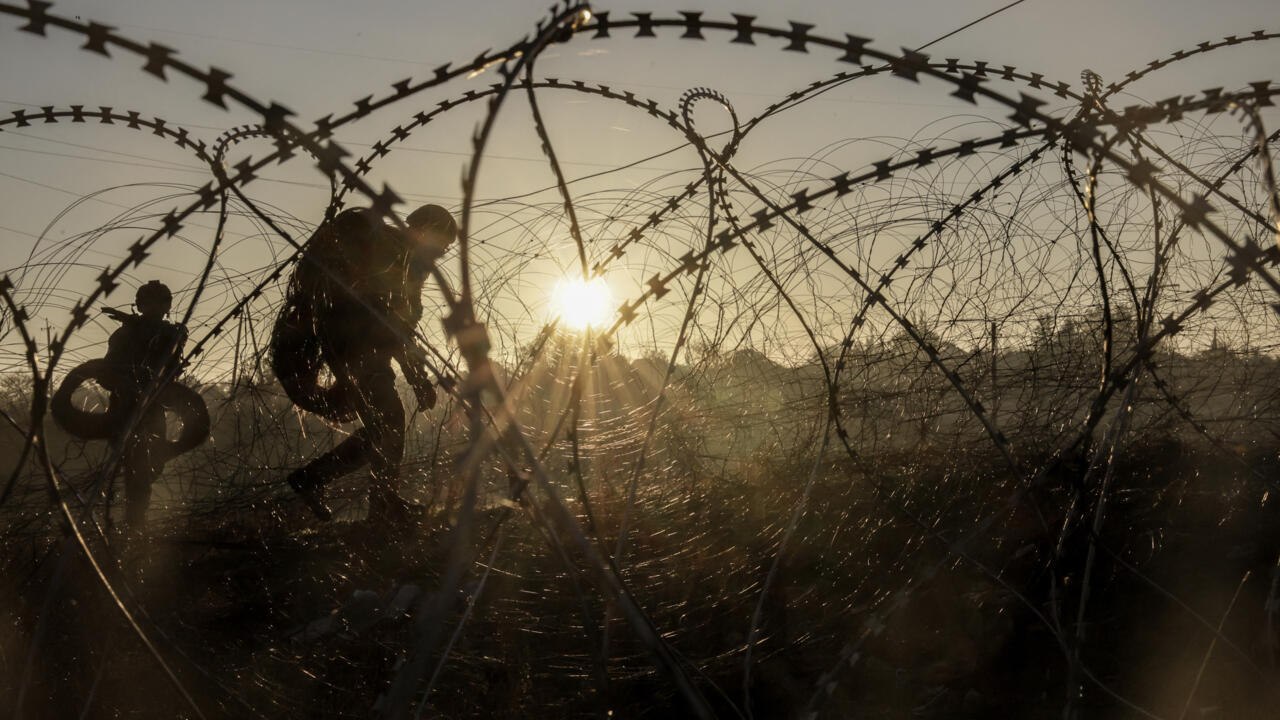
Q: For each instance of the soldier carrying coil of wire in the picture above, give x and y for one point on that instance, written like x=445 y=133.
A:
x=138 y=371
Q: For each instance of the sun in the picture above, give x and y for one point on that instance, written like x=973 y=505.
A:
x=582 y=304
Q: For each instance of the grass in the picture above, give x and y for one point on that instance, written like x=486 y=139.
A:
x=290 y=620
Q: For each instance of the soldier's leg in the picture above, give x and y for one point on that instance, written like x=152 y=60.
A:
x=346 y=457
x=142 y=464
x=137 y=485
x=350 y=454
x=382 y=414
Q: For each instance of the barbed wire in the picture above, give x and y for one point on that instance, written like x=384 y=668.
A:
x=849 y=317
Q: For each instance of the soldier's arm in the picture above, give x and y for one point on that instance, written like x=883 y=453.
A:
x=412 y=360
x=165 y=358
x=117 y=314
x=118 y=345
x=179 y=346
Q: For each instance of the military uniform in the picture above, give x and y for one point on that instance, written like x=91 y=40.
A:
x=362 y=280
x=139 y=354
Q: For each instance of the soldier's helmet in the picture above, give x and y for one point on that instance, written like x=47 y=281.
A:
x=434 y=217
x=153 y=295
x=435 y=229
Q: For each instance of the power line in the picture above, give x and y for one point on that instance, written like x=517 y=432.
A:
x=298 y=48
x=95 y=149
x=73 y=156
x=993 y=13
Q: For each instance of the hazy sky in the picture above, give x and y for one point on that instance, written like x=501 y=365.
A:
x=317 y=57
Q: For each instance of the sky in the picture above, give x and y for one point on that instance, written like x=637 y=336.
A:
x=58 y=182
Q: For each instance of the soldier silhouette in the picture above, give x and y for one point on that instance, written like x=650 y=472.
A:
x=143 y=358
x=140 y=354
x=352 y=306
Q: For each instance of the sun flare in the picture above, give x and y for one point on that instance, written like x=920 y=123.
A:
x=582 y=304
